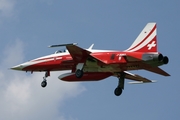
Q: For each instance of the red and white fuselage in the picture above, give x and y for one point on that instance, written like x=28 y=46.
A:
x=90 y=64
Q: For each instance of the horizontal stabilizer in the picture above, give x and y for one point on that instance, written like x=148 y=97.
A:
x=146 y=66
x=157 y=70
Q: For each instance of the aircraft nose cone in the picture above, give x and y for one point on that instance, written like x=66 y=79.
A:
x=17 y=67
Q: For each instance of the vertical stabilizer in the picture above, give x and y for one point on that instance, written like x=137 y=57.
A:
x=146 y=41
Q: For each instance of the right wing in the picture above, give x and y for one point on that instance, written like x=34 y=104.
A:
x=137 y=78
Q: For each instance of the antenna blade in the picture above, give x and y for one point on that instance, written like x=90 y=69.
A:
x=91 y=47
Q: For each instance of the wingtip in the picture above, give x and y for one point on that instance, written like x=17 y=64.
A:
x=60 y=45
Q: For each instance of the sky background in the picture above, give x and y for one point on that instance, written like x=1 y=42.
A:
x=27 y=27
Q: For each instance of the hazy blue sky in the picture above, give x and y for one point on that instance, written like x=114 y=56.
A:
x=27 y=27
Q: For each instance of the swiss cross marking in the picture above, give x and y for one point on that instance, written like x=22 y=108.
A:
x=151 y=45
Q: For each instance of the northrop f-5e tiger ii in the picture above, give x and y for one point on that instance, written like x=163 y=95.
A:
x=93 y=64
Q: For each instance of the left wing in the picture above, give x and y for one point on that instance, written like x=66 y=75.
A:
x=81 y=55
x=78 y=54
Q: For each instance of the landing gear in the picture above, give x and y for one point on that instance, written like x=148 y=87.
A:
x=79 y=70
x=79 y=73
x=44 y=82
x=118 y=91
x=120 y=87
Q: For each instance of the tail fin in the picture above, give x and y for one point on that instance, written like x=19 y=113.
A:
x=146 y=41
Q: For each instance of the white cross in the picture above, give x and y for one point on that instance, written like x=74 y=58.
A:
x=151 y=45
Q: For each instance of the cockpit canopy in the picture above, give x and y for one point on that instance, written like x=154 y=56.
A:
x=60 y=51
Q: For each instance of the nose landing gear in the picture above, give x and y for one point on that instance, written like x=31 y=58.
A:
x=44 y=82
